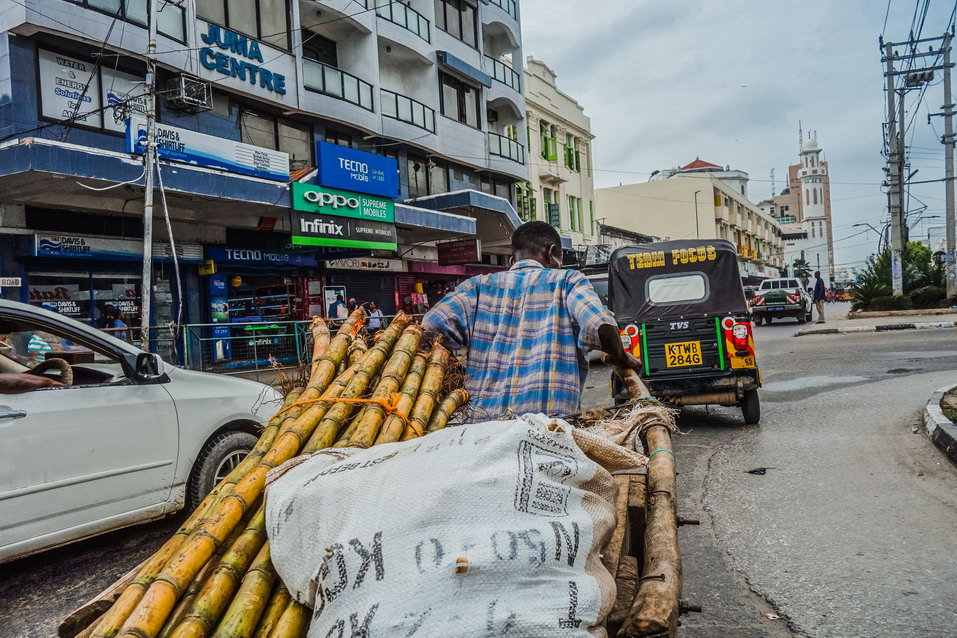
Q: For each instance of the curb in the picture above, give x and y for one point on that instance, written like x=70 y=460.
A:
x=920 y=312
x=924 y=325
x=941 y=430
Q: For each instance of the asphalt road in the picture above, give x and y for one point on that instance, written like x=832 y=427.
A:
x=851 y=532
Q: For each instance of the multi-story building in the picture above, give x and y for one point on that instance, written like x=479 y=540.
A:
x=258 y=97
x=697 y=201
x=803 y=209
x=561 y=187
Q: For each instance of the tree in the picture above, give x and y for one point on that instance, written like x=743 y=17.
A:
x=802 y=270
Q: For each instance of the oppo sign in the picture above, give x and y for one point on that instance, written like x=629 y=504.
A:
x=330 y=201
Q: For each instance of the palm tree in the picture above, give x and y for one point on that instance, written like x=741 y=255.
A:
x=802 y=270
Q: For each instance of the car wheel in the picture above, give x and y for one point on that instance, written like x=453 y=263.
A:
x=751 y=407
x=767 y=320
x=807 y=318
x=801 y=318
x=216 y=460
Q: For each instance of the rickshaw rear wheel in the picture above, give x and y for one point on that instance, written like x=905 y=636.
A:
x=751 y=407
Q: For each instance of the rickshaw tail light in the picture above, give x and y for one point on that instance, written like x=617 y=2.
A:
x=740 y=335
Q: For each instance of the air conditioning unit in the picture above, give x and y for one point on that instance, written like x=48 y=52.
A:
x=188 y=93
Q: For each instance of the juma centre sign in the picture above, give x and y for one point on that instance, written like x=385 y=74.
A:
x=330 y=201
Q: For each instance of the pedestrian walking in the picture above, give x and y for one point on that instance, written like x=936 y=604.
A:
x=820 y=296
x=120 y=322
x=375 y=316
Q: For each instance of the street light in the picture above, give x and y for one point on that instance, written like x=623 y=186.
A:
x=697 y=230
x=880 y=233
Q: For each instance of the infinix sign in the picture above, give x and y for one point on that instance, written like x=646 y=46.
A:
x=330 y=201
x=319 y=227
x=309 y=229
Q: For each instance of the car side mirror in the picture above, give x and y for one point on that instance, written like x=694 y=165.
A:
x=147 y=366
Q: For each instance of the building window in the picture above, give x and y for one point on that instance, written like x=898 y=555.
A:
x=418 y=177
x=526 y=202
x=548 y=141
x=318 y=48
x=338 y=137
x=572 y=216
x=438 y=178
x=266 y=20
x=171 y=20
x=279 y=134
x=460 y=101
x=458 y=19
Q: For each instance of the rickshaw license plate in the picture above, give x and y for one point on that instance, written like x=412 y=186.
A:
x=684 y=353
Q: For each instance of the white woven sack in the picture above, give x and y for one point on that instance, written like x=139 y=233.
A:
x=491 y=529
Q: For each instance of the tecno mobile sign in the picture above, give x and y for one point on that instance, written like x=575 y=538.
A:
x=331 y=201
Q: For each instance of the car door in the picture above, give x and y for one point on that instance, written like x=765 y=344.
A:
x=82 y=459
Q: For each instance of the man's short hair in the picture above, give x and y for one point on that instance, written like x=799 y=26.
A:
x=535 y=236
x=817 y=273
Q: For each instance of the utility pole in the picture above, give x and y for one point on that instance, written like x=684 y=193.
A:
x=949 y=174
x=893 y=175
x=149 y=158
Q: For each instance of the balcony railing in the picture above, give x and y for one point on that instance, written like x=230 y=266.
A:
x=502 y=72
x=405 y=109
x=404 y=16
x=336 y=83
x=506 y=147
x=509 y=6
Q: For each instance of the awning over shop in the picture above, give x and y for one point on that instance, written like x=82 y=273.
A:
x=429 y=225
x=495 y=219
x=42 y=172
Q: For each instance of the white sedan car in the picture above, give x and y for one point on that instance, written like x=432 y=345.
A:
x=131 y=438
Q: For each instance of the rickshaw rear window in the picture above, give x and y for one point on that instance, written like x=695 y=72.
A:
x=677 y=289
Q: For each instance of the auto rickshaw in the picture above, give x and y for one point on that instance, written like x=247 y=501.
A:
x=680 y=308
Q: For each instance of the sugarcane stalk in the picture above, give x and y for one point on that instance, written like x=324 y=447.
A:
x=277 y=604
x=111 y=621
x=294 y=622
x=328 y=429
x=452 y=402
x=429 y=393
x=243 y=615
x=343 y=440
x=195 y=587
x=391 y=379
x=217 y=592
x=157 y=603
x=395 y=423
x=357 y=350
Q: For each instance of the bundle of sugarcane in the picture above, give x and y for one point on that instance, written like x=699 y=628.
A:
x=214 y=577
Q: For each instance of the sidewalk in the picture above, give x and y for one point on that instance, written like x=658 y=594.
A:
x=941 y=429
x=840 y=324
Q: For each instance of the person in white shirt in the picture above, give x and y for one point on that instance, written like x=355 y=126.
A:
x=375 y=316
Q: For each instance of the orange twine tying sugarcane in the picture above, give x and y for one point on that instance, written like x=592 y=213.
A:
x=385 y=404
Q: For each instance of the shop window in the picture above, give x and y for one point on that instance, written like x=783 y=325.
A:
x=266 y=20
x=418 y=177
x=438 y=179
x=319 y=48
x=279 y=134
x=460 y=101
x=458 y=19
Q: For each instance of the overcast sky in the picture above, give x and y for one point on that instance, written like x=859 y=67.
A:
x=664 y=82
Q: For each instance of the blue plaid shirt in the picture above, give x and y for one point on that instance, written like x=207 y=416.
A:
x=527 y=331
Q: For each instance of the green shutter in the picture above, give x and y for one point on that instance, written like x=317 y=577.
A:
x=578 y=161
x=551 y=145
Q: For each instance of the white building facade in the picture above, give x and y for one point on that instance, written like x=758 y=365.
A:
x=561 y=187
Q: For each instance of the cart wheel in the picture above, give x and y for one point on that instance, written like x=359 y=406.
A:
x=751 y=407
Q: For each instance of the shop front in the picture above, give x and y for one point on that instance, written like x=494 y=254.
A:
x=255 y=297
x=90 y=278
x=427 y=282
x=365 y=279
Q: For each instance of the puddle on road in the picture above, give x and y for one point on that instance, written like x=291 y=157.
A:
x=804 y=383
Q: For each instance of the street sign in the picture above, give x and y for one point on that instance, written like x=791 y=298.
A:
x=460 y=251
x=10 y=282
